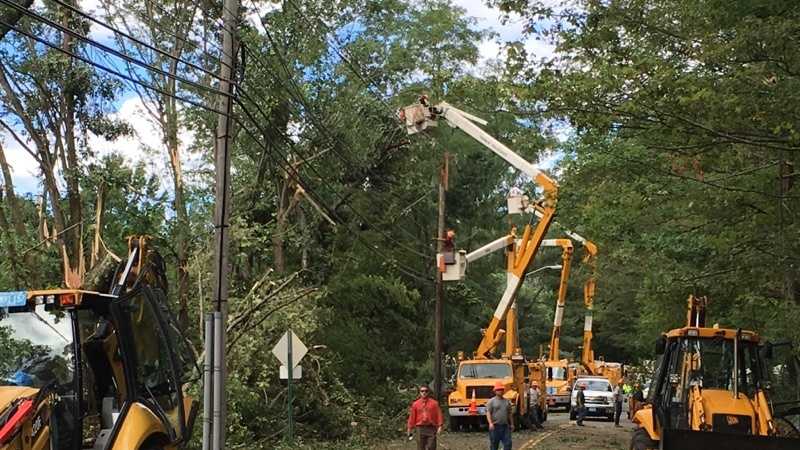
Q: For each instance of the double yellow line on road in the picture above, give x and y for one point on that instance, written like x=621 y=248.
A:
x=535 y=441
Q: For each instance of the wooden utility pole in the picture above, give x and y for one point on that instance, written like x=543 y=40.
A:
x=214 y=375
x=439 y=314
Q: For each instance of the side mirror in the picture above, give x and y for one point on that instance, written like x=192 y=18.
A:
x=661 y=344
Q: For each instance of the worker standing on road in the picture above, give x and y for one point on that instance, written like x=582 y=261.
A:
x=533 y=405
x=501 y=422
x=580 y=403
x=617 y=402
x=426 y=417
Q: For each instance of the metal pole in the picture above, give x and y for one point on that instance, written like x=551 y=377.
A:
x=223 y=144
x=208 y=384
x=736 y=364
x=218 y=428
x=439 y=314
x=289 y=399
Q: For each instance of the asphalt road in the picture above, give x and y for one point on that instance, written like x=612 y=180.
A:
x=559 y=434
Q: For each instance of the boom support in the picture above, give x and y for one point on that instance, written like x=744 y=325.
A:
x=566 y=260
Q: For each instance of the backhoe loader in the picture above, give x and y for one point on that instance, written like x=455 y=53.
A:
x=710 y=391
x=96 y=370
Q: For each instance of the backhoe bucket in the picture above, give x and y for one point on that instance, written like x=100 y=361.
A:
x=707 y=440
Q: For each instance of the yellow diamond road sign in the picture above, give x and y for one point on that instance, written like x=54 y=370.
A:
x=281 y=349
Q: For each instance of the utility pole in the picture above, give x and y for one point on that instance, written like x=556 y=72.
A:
x=439 y=314
x=214 y=393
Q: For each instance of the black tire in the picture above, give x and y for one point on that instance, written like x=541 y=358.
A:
x=454 y=424
x=641 y=440
x=610 y=417
x=572 y=415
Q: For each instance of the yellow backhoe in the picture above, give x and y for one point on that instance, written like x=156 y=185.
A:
x=95 y=370
x=710 y=391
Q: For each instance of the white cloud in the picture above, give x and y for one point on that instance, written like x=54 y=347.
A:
x=509 y=30
x=24 y=169
x=145 y=146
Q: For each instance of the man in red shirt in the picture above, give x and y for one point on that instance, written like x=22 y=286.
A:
x=426 y=417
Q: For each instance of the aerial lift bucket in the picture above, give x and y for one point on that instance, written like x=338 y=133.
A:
x=707 y=440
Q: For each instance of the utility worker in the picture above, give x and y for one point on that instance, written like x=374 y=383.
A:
x=500 y=419
x=533 y=405
x=580 y=403
x=426 y=417
x=617 y=402
x=637 y=399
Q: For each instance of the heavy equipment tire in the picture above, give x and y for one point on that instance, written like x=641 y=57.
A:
x=641 y=440
x=454 y=424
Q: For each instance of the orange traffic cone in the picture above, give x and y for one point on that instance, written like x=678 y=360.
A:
x=473 y=406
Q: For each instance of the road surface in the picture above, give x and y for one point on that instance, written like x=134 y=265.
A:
x=559 y=434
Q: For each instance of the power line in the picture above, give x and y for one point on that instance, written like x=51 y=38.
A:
x=110 y=50
x=138 y=82
x=138 y=41
x=108 y=69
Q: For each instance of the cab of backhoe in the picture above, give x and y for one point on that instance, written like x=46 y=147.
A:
x=86 y=370
x=710 y=390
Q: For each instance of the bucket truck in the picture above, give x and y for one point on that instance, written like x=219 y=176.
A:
x=477 y=376
x=614 y=371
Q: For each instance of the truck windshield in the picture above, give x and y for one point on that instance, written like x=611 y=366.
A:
x=556 y=373
x=596 y=385
x=35 y=347
x=487 y=370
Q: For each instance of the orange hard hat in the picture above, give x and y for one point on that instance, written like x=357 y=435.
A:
x=499 y=386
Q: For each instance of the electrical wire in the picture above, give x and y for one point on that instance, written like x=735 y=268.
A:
x=138 y=41
x=333 y=138
x=110 y=50
x=288 y=166
x=108 y=69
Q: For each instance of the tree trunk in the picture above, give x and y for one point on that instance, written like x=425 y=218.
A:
x=279 y=235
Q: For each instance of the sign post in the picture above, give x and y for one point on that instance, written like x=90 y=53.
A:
x=289 y=350
x=289 y=399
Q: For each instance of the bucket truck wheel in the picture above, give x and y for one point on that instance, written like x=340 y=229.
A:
x=454 y=424
x=641 y=440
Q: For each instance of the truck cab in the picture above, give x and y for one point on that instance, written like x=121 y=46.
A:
x=558 y=383
x=87 y=370
x=475 y=382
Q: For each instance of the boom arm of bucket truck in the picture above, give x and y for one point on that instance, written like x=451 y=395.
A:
x=566 y=260
x=589 y=258
x=420 y=116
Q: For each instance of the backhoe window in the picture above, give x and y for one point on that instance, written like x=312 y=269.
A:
x=485 y=371
x=709 y=363
x=155 y=373
x=36 y=348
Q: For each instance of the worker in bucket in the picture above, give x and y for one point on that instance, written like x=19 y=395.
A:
x=499 y=418
x=425 y=417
